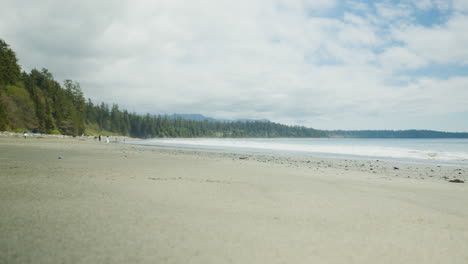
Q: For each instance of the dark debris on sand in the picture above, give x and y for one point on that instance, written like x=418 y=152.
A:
x=457 y=181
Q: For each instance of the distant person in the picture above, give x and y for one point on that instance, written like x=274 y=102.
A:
x=107 y=139
x=99 y=138
x=25 y=134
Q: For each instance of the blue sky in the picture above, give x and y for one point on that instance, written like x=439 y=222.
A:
x=325 y=64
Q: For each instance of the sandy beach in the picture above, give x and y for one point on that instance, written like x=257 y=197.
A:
x=74 y=200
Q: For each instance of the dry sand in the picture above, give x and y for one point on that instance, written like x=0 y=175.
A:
x=116 y=203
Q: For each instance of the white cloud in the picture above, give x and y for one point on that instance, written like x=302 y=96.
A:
x=423 y=4
x=319 y=4
x=390 y=11
x=400 y=58
x=354 y=19
x=460 y=5
x=300 y=5
x=429 y=4
x=438 y=96
x=443 y=4
x=440 y=44
x=358 y=6
x=358 y=35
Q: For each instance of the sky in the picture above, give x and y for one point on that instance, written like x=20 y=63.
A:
x=325 y=64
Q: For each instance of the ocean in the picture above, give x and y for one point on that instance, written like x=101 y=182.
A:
x=434 y=151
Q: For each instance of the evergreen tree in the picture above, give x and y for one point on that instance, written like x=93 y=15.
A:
x=10 y=71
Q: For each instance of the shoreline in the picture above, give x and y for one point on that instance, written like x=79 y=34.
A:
x=389 y=167
x=72 y=200
x=267 y=146
x=376 y=165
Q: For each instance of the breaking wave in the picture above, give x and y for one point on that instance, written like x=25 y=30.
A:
x=431 y=150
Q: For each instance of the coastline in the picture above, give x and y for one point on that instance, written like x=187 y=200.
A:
x=76 y=200
x=443 y=152
x=381 y=166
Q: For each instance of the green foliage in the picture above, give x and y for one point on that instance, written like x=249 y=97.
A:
x=55 y=132
x=18 y=108
x=101 y=118
x=9 y=68
x=18 y=130
x=37 y=102
x=4 y=122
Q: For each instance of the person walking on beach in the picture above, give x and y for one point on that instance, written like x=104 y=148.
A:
x=107 y=139
x=99 y=138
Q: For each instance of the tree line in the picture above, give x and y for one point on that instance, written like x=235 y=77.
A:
x=35 y=101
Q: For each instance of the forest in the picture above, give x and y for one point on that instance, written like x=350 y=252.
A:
x=36 y=102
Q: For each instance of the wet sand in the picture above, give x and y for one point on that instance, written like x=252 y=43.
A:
x=72 y=200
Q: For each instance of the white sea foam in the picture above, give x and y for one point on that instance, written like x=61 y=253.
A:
x=424 y=150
